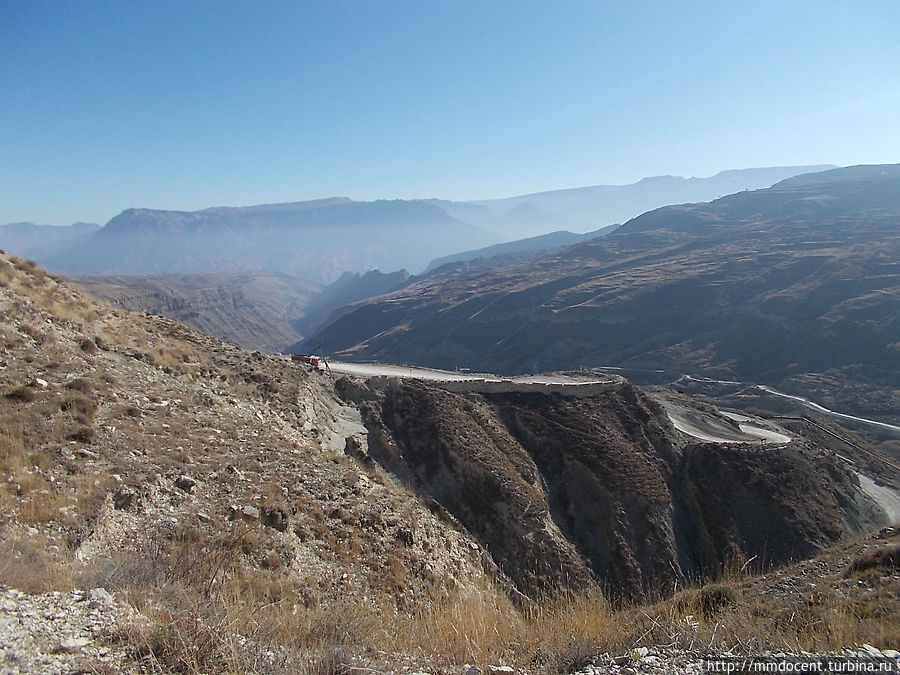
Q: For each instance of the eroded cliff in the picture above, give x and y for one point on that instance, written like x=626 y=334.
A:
x=572 y=492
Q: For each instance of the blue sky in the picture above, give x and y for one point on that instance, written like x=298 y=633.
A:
x=183 y=105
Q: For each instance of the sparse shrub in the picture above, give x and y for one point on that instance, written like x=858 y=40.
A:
x=686 y=602
x=203 y=399
x=24 y=264
x=886 y=560
x=78 y=405
x=33 y=332
x=716 y=597
x=80 y=384
x=249 y=542
x=576 y=653
x=395 y=574
x=88 y=346
x=42 y=506
x=191 y=534
x=22 y=394
x=83 y=434
x=26 y=564
x=272 y=561
x=329 y=661
x=182 y=642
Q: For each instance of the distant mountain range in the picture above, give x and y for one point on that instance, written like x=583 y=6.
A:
x=264 y=277
x=595 y=207
x=39 y=242
x=766 y=286
x=320 y=240
x=317 y=241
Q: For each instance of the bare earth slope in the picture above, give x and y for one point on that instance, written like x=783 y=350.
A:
x=148 y=458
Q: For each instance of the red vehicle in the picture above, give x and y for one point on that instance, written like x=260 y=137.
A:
x=314 y=361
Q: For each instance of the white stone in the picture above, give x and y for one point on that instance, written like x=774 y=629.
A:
x=73 y=644
x=100 y=596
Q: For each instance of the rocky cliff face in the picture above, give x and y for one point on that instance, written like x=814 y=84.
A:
x=602 y=490
x=252 y=310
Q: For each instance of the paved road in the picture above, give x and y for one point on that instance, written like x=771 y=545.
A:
x=692 y=422
x=799 y=399
x=435 y=375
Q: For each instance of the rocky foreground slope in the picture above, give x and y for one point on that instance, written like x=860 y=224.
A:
x=259 y=516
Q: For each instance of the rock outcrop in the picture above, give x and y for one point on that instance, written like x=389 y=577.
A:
x=572 y=492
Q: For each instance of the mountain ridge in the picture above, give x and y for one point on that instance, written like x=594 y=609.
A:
x=471 y=224
x=805 y=270
x=593 y=207
x=316 y=240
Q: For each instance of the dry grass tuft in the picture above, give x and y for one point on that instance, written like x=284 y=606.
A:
x=26 y=563
x=21 y=394
x=886 y=560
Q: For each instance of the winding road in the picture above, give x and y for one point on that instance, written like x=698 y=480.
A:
x=721 y=427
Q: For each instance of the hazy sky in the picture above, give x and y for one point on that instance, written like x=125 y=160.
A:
x=112 y=104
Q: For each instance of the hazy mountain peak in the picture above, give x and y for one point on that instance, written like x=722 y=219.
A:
x=316 y=240
x=592 y=207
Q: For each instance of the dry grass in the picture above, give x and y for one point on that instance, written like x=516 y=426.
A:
x=209 y=613
x=34 y=564
x=886 y=559
x=15 y=464
x=481 y=626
